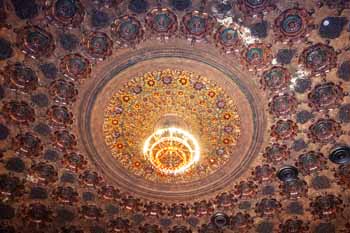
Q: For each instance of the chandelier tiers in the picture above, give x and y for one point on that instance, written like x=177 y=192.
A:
x=171 y=150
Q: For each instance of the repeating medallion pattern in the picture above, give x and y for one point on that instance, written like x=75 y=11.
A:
x=292 y=24
x=168 y=90
x=20 y=77
x=66 y=13
x=35 y=41
x=197 y=25
x=254 y=7
x=98 y=45
x=163 y=22
x=257 y=56
x=275 y=79
x=227 y=38
x=319 y=58
x=294 y=55
x=127 y=30
x=75 y=66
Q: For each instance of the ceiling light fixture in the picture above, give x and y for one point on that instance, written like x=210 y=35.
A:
x=171 y=150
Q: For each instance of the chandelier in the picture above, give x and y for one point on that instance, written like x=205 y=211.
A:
x=171 y=150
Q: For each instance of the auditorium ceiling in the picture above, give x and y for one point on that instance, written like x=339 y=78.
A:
x=174 y=116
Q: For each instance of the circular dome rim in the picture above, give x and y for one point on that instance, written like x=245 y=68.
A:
x=148 y=53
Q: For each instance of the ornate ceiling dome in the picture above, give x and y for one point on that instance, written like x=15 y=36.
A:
x=174 y=116
x=169 y=133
